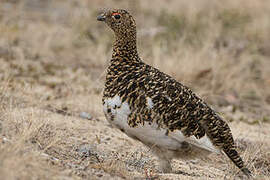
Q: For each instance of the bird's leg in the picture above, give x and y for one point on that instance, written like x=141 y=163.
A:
x=165 y=165
x=164 y=159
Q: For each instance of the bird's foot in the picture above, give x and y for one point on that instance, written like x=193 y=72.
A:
x=165 y=166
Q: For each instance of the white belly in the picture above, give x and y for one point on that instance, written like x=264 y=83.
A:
x=117 y=113
x=148 y=134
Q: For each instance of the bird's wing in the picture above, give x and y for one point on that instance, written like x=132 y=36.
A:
x=177 y=108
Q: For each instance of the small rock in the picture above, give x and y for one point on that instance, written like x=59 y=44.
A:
x=88 y=151
x=99 y=175
x=85 y=115
x=85 y=150
x=5 y=53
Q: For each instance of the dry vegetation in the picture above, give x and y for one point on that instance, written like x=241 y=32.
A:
x=53 y=55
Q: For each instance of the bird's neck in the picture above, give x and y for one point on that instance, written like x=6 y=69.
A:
x=125 y=46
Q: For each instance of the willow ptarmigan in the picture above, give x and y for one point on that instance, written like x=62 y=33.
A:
x=152 y=107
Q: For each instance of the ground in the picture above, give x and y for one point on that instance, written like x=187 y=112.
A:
x=53 y=56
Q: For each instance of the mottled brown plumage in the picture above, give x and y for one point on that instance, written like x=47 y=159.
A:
x=152 y=97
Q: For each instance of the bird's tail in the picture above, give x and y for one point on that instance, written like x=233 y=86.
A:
x=237 y=160
x=222 y=137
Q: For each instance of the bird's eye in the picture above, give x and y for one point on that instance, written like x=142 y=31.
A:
x=117 y=16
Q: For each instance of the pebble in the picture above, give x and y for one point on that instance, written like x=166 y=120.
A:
x=85 y=115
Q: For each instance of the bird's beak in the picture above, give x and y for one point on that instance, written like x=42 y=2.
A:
x=101 y=17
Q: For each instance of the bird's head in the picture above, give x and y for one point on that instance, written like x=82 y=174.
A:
x=120 y=21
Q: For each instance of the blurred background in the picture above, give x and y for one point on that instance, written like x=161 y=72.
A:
x=53 y=56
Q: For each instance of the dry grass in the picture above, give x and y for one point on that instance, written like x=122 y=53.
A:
x=52 y=60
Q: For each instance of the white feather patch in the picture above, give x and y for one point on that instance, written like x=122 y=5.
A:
x=115 y=101
x=204 y=142
x=168 y=98
x=150 y=103
x=151 y=134
x=148 y=134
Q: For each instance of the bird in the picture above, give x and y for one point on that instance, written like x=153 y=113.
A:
x=157 y=110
